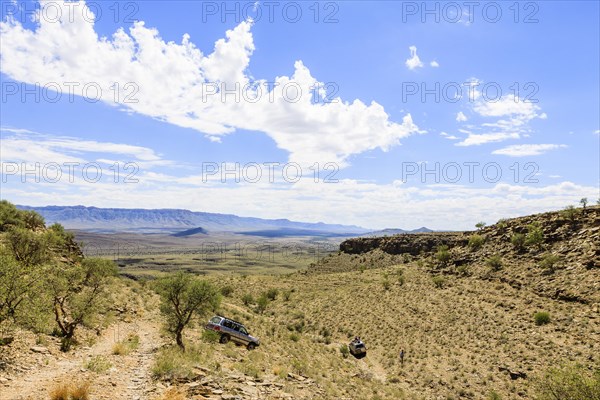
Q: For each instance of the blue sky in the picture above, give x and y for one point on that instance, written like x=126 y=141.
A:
x=439 y=116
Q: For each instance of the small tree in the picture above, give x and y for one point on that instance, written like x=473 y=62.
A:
x=18 y=282
x=583 y=202
x=78 y=293
x=184 y=296
x=480 y=225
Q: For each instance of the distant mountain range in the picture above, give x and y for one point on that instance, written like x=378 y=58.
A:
x=185 y=223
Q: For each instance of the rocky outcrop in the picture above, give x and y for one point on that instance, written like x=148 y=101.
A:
x=413 y=244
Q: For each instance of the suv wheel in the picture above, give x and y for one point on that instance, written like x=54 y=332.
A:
x=251 y=346
x=224 y=339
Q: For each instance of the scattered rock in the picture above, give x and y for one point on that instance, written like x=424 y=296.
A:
x=40 y=349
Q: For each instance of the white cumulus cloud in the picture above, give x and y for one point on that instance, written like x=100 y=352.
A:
x=179 y=84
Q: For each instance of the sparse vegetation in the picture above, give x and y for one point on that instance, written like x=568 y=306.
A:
x=476 y=241
x=541 y=318
x=98 y=364
x=247 y=299
x=126 y=346
x=502 y=224
x=227 y=290
x=439 y=281
x=344 y=350
x=494 y=396
x=443 y=255
x=518 y=241
x=482 y=317
x=174 y=363
x=570 y=213
x=386 y=284
x=535 y=236
x=272 y=294
x=494 y=263
x=262 y=303
x=480 y=225
x=549 y=261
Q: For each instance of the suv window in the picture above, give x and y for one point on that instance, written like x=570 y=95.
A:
x=243 y=330
x=215 y=320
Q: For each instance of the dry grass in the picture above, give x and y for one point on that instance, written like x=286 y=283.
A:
x=126 y=346
x=70 y=391
x=174 y=394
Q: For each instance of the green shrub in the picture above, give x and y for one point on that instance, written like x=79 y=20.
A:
x=443 y=255
x=439 y=281
x=247 y=299
x=98 y=364
x=476 y=241
x=294 y=337
x=344 y=350
x=210 y=336
x=272 y=294
x=494 y=263
x=549 y=261
x=494 y=396
x=286 y=295
x=171 y=363
x=568 y=382
x=541 y=318
x=570 y=213
x=32 y=220
x=480 y=225
x=227 y=290
x=518 y=241
x=10 y=216
x=262 y=303
x=502 y=224
x=127 y=345
x=386 y=284
x=535 y=236
x=463 y=270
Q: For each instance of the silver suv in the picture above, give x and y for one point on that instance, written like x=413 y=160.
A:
x=232 y=330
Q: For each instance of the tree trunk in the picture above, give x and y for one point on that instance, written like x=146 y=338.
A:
x=179 y=337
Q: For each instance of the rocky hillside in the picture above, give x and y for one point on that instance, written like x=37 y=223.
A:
x=507 y=312
x=556 y=254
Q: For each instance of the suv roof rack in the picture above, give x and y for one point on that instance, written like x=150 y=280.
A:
x=232 y=320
